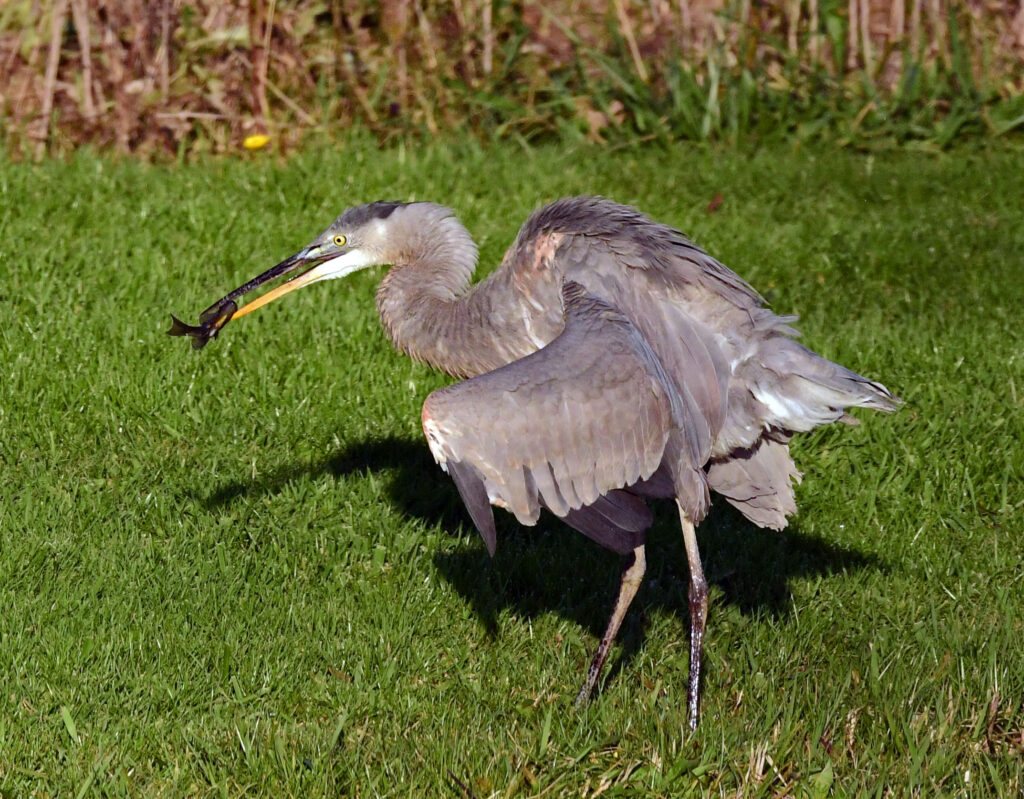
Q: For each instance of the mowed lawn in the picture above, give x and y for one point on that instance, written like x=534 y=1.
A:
x=239 y=572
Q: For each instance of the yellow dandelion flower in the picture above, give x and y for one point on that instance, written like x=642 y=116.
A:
x=256 y=141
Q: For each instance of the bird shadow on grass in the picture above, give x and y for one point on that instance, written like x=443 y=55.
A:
x=414 y=482
x=552 y=568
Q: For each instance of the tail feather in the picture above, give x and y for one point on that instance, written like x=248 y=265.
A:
x=801 y=390
x=758 y=482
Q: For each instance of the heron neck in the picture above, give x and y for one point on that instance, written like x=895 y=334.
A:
x=434 y=314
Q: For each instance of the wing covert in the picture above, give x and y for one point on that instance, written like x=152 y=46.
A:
x=564 y=427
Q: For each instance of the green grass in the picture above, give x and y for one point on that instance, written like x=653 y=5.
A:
x=239 y=571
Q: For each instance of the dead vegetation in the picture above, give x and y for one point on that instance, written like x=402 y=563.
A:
x=186 y=76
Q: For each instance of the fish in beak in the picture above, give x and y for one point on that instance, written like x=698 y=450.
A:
x=320 y=265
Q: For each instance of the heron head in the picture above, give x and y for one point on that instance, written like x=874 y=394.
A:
x=366 y=235
x=355 y=240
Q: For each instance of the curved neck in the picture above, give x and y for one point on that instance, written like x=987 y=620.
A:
x=433 y=314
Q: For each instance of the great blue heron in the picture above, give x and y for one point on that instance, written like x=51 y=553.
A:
x=610 y=360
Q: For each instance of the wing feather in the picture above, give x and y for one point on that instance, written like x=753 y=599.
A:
x=548 y=489
x=635 y=241
x=758 y=482
x=474 y=497
x=616 y=521
x=695 y=313
x=563 y=427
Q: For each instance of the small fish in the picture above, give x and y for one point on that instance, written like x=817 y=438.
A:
x=210 y=322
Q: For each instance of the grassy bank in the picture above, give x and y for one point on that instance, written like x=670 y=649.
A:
x=239 y=571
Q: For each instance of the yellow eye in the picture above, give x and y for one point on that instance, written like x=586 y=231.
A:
x=339 y=241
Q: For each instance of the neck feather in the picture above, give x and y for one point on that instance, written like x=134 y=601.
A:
x=433 y=314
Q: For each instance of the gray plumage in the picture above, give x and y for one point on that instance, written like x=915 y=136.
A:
x=737 y=371
x=567 y=426
x=609 y=361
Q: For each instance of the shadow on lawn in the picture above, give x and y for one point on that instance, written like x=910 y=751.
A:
x=553 y=568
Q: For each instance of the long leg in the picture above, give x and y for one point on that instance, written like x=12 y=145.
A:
x=698 y=614
x=632 y=576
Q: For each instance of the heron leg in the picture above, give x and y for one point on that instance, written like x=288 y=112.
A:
x=632 y=576
x=698 y=614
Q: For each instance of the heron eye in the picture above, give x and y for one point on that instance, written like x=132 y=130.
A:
x=339 y=241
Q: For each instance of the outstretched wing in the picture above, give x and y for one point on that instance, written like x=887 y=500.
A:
x=570 y=232
x=731 y=357
x=566 y=427
x=693 y=311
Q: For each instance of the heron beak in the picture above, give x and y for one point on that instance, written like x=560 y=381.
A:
x=297 y=282
x=225 y=309
x=289 y=264
x=322 y=267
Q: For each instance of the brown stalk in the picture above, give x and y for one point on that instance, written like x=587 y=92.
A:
x=60 y=13
x=165 y=49
x=1016 y=32
x=792 y=24
x=742 y=33
x=915 y=29
x=488 y=36
x=897 y=21
x=117 y=77
x=460 y=16
x=627 y=31
x=427 y=36
x=894 y=34
x=194 y=115
x=296 y=109
x=357 y=89
x=685 y=17
x=80 y=14
x=394 y=21
x=812 y=40
x=865 y=33
x=938 y=32
x=428 y=111
x=851 y=34
x=260 y=23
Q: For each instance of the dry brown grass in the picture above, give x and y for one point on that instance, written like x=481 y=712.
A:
x=179 y=75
